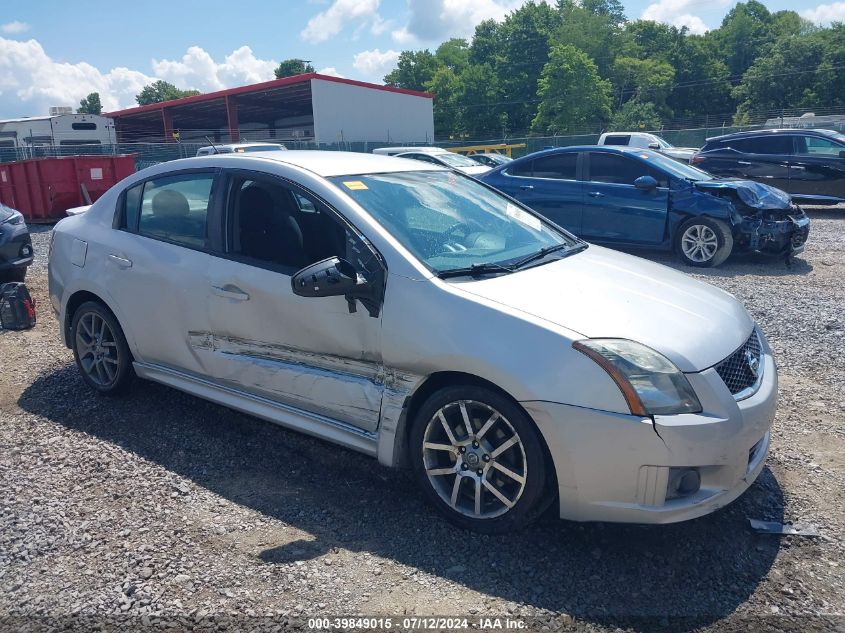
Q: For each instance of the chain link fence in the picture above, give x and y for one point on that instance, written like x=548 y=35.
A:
x=147 y=154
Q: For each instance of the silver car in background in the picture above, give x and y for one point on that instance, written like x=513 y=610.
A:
x=416 y=315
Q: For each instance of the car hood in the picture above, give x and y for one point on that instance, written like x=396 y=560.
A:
x=600 y=293
x=754 y=194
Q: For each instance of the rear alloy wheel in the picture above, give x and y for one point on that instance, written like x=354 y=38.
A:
x=704 y=242
x=479 y=459
x=100 y=349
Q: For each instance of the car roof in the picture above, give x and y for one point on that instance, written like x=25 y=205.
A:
x=614 y=149
x=329 y=163
x=770 y=131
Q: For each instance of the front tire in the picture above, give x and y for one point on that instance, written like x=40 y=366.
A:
x=704 y=242
x=479 y=459
x=100 y=349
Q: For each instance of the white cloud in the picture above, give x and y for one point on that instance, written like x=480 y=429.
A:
x=14 y=27
x=198 y=70
x=673 y=12
x=326 y=24
x=331 y=71
x=438 y=20
x=375 y=64
x=31 y=82
x=825 y=13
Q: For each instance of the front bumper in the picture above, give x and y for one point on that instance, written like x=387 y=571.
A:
x=613 y=467
x=15 y=247
x=776 y=237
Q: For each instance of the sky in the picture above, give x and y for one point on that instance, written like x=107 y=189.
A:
x=55 y=53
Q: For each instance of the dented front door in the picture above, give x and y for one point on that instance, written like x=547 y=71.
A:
x=309 y=353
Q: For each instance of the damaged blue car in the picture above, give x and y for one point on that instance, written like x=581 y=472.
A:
x=629 y=197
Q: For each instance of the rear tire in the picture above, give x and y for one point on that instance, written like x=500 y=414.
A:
x=490 y=478
x=704 y=242
x=100 y=349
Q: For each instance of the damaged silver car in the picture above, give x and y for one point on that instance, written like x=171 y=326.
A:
x=419 y=316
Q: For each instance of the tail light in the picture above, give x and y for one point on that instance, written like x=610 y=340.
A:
x=696 y=159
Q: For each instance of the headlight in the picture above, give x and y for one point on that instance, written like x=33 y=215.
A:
x=15 y=218
x=649 y=381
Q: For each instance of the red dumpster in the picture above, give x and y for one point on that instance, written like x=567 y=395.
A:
x=44 y=188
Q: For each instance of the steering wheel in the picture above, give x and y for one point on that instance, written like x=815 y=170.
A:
x=452 y=234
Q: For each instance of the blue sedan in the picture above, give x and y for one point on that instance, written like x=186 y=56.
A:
x=640 y=198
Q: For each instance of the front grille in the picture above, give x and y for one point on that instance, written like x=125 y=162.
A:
x=742 y=369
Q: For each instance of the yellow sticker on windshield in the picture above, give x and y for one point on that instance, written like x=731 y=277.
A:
x=355 y=185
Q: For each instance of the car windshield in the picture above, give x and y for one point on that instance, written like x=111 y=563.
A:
x=673 y=167
x=455 y=160
x=449 y=221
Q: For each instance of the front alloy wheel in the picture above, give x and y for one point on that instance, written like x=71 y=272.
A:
x=704 y=242
x=479 y=459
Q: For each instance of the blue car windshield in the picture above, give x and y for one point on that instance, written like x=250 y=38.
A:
x=449 y=221
x=674 y=167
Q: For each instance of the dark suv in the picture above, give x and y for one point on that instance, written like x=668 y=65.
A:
x=809 y=164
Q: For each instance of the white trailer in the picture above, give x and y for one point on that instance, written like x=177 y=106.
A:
x=56 y=131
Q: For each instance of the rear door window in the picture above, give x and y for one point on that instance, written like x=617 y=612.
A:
x=817 y=146
x=175 y=209
x=773 y=144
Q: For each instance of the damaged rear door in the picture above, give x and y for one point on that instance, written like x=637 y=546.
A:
x=309 y=353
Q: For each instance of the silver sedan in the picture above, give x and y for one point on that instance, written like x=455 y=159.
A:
x=412 y=313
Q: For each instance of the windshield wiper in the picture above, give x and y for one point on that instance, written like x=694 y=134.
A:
x=575 y=248
x=474 y=270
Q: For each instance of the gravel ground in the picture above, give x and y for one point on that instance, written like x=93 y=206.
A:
x=163 y=510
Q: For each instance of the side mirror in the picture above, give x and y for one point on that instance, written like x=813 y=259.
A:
x=654 y=145
x=332 y=277
x=646 y=183
x=336 y=277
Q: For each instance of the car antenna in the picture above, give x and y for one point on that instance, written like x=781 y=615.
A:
x=213 y=146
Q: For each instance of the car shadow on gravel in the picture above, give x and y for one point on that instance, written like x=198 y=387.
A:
x=616 y=575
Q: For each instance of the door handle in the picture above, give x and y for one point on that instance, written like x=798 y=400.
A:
x=230 y=291
x=526 y=187
x=797 y=167
x=742 y=162
x=596 y=194
x=120 y=260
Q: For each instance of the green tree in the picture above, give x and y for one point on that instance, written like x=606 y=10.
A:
x=445 y=86
x=636 y=115
x=479 y=90
x=744 y=33
x=413 y=71
x=90 y=104
x=453 y=53
x=159 y=91
x=647 y=80
x=526 y=35
x=795 y=73
x=572 y=94
x=593 y=28
x=290 y=67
